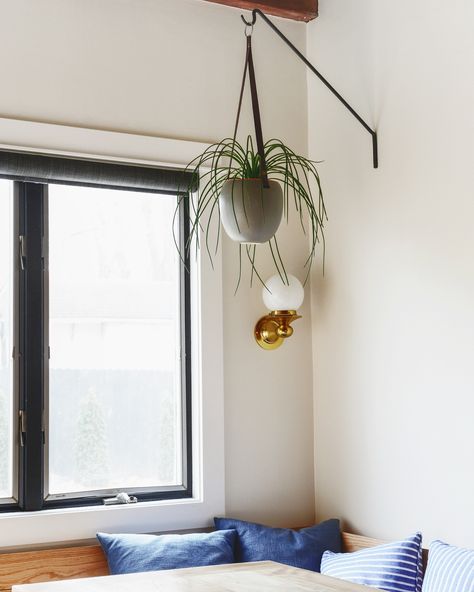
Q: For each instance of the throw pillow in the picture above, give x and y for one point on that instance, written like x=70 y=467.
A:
x=130 y=553
x=299 y=548
x=450 y=569
x=395 y=567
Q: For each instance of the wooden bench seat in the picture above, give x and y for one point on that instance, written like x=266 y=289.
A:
x=63 y=563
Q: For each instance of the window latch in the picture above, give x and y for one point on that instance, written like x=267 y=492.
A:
x=120 y=498
x=22 y=252
x=22 y=426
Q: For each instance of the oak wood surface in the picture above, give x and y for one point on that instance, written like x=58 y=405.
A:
x=356 y=542
x=265 y=576
x=51 y=564
x=299 y=10
x=25 y=567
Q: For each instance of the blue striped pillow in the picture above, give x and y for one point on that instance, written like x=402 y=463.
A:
x=450 y=569
x=395 y=567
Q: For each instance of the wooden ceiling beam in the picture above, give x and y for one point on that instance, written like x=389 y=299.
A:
x=298 y=10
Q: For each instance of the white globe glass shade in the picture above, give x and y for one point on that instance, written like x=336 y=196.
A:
x=280 y=296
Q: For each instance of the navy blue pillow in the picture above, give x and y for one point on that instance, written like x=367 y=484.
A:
x=130 y=553
x=299 y=548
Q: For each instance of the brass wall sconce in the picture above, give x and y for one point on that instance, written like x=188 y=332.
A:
x=283 y=300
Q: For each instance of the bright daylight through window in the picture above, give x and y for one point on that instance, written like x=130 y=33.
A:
x=114 y=318
x=101 y=296
x=6 y=339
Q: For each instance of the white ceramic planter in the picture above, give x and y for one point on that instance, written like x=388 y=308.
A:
x=250 y=213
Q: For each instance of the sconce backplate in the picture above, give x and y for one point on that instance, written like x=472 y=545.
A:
x=266 y=333
x=272 y=329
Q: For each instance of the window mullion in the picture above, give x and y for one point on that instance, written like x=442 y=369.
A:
x=185 y=313
x=32 y=198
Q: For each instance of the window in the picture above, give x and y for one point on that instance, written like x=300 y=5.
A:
x=6 y=341
x=95 y=385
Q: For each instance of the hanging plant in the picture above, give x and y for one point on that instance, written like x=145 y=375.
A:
x=231 y=191
x=249 y=190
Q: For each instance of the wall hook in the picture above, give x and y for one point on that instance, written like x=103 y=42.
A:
x=254 y=18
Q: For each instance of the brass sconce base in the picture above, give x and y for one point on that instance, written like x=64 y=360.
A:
x=272 y=329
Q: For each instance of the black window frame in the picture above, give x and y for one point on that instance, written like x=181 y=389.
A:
x=31 y=350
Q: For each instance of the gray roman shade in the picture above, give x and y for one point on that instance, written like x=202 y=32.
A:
x=41 y=168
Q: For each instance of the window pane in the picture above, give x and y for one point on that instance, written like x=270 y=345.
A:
x=114 y=379
x=6 y=338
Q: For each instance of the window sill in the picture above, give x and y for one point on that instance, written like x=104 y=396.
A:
x=77 y=524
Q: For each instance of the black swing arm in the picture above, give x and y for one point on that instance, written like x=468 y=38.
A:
x=258 y=12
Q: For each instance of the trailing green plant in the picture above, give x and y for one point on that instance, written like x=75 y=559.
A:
x=230 y=160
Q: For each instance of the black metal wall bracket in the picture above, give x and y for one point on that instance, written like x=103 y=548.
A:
x=258 y=12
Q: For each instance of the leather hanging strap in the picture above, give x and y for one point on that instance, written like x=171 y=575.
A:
x=256 y=114
x=249 y=67
x=242 y=88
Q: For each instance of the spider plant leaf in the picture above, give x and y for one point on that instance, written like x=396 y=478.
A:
x=254 y=269
x=278 y=262
x=240 y=270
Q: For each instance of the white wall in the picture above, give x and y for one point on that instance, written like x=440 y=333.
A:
x=393 y=319
x=172 y=68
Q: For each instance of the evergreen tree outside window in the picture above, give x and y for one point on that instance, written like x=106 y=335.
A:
x=91 y=443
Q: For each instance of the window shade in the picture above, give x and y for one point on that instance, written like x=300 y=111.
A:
x=41 y=168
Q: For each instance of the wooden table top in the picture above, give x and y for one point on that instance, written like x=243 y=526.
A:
x=261 y=576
